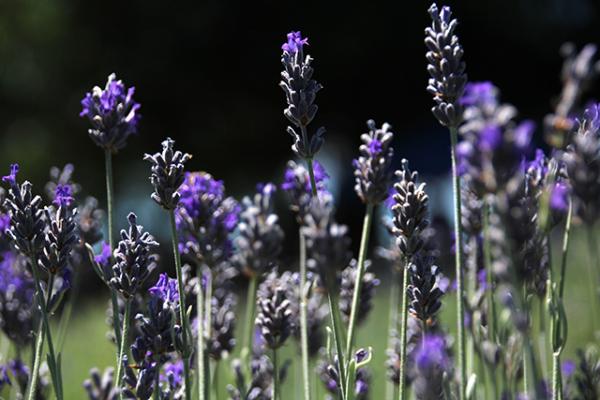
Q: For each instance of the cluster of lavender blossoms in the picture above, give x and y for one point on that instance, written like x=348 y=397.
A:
x=178 y=330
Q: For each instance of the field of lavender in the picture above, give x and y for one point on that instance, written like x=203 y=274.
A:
x=502 y=305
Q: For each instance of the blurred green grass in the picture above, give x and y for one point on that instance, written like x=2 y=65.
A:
x=86 y=345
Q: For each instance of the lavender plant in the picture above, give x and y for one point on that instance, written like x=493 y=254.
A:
x=446 y=85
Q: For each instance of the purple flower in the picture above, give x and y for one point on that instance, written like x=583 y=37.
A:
x=482 y=279
x=165 y=289
x=490 y=138
x=112 y=112
x=431 y=353
x=480 y=94
x=294 y=42
x=523 y=134
x=11 y=178
x=375 y=147
x=206 y=218
x=63 y=196
x=559 y=197
x=105 y=254
x=4 y=379
x=567 y=368
x=173 y=373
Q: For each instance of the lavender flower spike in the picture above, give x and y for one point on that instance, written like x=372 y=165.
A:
x=372 y=170
x=274 y=319
x=113 y=114
x=445 y=66
x=26 y=224
x=167 y=174
x=300 y=92
x=134 y=259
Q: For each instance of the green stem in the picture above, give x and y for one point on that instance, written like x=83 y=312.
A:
x=250 y=311
x=182 y=308
x=111 y=241
x=471 y=289
x=275 y=376
x=208 y=328
x=362 y=255
x=156 y=394
x=200 y=340
x=303 y=318
x=565 y=249
x=39 y=346
x=403 y=327
x=216 y=374
x=311 y=174
x=459 y=269
x=337 y=338
x=390 y=387
x=487 y=261
x=45 y=329
x=556 y=379
x=122 y=349
x=592 y=277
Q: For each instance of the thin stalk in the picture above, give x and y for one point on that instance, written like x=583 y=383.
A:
x=360 y=273
x=390 y=387
x=250 y=311
x=156 y=394
x=111 y=241
x=216 y=379
x=182 y=309
x=275 y=376
x=555 y=321
x=403 y=327
x=45 y=329
x=556 y=378
x=122 y=349
x=303 y=318
x=459 y=269
x=208 y=328
x=337 y=338
x=471 y=289
x=39 y=346
x=311 y=174
x=200 y=341
x=487 y=261
x=592 y=277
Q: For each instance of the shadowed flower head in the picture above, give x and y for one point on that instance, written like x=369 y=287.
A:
x=367 y=292
x=16 y=299
x=260 y=238
x=410 y=211
x=431 y=361
x=167 y=174
x=300 y=93
x=274 y=314
x=582 y=162
x=372 y=169
x=445 y=66
x=27 y=216
x=424 y=295
x=101 y=386
x=296 y=183
x=134 y=259
x=205 y=219
x=113 y=114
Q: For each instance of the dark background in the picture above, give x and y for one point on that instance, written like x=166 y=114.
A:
x=207 y=74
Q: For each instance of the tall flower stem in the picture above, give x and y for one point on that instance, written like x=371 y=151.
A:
x=558 y=331
x=250 y=311
x=208 y=328
x=362 y=255
x=185 y=329
x=37 y=359
x=303 y=318
x=111 y=242
x=311 y=174
x=459 y=269
x=200 y=340
x=403 y=328
x=592 y=276
x=122 y=348
x=334 y=313
x=44 y=330
x=275 y=376
x=392 y=326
